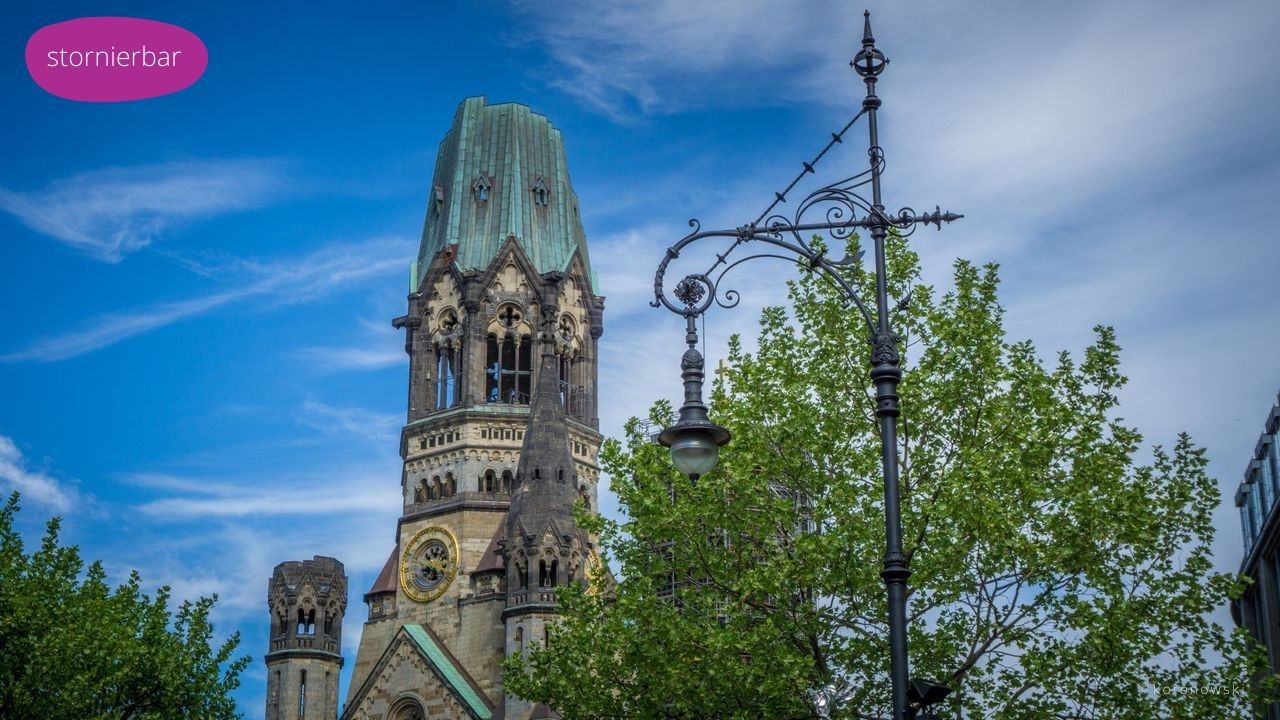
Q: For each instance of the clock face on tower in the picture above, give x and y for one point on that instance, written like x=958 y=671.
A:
x=429 y=564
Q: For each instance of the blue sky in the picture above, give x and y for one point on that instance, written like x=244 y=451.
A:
x=197 y=369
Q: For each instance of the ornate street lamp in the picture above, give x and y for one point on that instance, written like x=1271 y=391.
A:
x=695 y=441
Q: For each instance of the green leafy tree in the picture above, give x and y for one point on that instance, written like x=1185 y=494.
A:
x=71 y=647
x=1054 y=574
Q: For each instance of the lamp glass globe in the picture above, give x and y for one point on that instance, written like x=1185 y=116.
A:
x=695 y=453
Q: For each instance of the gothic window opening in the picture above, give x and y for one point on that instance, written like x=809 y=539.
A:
x=304 y=626
x=553 y=573
x=566 y=384
x=508 y=362
x=328 y=624
x=542 y=573
x=446 y=377
x=410 y=711
x=275 y=698
x=507 y=481
x=481 y=187
x=302 y=696
x=541 y=196
x=489 y=483
x=450 y=484
x=519 y=640
x=419 y=493
x=523 y=572
x=436 y=488
x=447 y=360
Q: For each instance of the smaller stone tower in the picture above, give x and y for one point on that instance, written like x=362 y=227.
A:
x=544 y=548
x=307 y=599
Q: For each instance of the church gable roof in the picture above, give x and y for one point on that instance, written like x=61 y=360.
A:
x=438 y=668
x=527 y=191
x=386 y=581
x=492 y=558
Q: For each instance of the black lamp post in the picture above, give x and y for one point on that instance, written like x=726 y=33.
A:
x=841 y=209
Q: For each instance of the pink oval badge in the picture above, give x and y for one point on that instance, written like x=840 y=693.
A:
x=114 y=59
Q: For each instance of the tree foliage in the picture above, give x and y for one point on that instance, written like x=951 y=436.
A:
x=71 y=647
x=1055 y=575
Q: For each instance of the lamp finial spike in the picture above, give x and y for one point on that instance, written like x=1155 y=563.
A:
x=867 y=37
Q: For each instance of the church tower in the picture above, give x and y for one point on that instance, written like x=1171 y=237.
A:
x=501 y=436
x=307 y=599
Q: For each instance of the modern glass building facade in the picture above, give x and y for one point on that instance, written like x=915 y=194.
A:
x=1258 y=498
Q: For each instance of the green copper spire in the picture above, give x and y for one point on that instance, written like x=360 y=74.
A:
x=501 y=171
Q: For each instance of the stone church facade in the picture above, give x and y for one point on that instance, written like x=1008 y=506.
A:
x=501 y=439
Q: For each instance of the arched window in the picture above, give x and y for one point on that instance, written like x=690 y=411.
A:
x=552 y=575
x=302 y=622
x=447 y=357
x=489 y=483
x=566 y=383
x=419 y=492
x=407 y=710
x=436 y=488
x=541 y=196
x=520 y=640
x=481 y=187
x=451 y=485
x=508 y=362
x=446 y=377
x=507 y=481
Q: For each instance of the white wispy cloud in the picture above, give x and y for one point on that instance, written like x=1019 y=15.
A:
x=280 y=281
x=345 y=490
x=110 y=213
x=35 y=485
x=638 y=57
x=381 y=347
x=353 y=358
x=374 y=426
